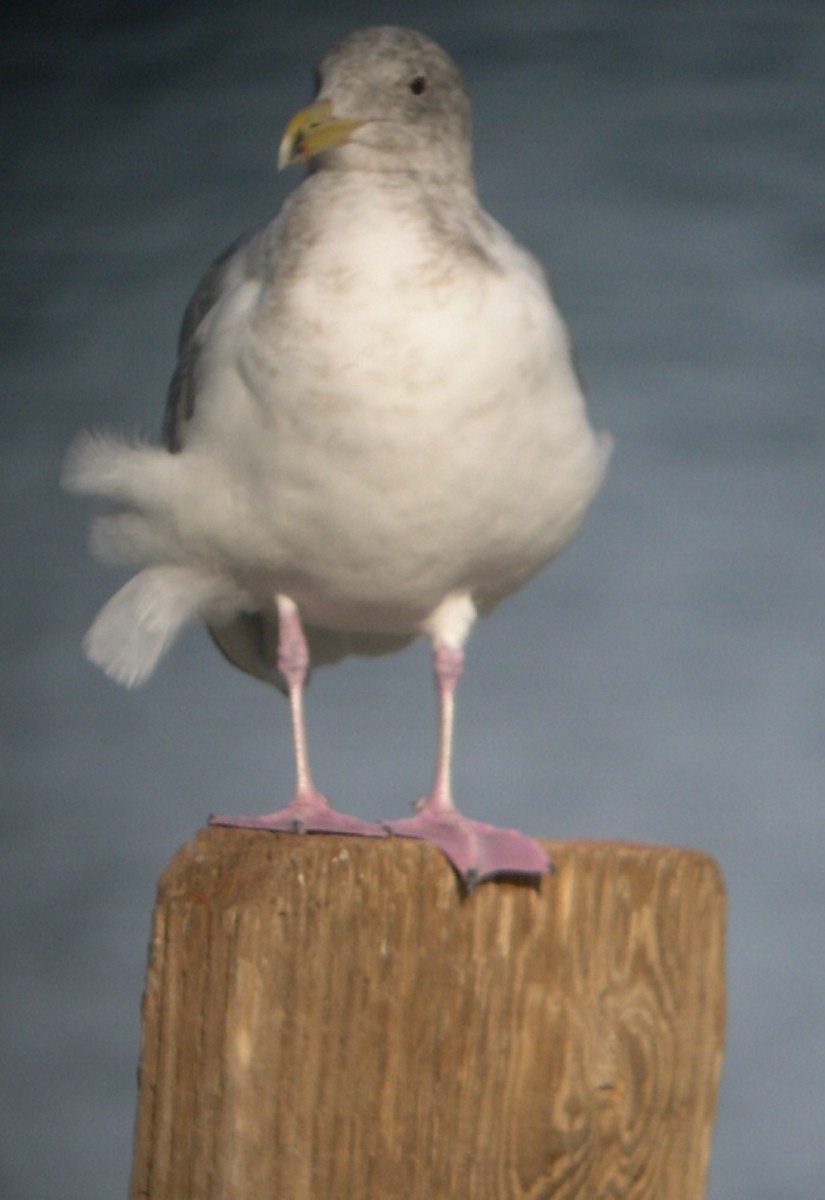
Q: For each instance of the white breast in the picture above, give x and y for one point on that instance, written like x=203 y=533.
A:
x=392 y=426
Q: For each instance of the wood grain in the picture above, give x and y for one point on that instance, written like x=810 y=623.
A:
x=328 y=1018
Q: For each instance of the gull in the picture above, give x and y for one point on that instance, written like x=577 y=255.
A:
x=375 y=430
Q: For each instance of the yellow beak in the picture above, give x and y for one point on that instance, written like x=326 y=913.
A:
x=312 y=130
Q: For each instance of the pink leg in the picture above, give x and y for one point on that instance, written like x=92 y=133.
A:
x=477 y=850
x=309 y=811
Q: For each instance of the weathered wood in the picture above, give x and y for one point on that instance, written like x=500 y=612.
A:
x=329 y=1018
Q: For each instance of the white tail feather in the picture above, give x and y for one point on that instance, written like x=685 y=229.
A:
x=138 y=625
x=101 y=464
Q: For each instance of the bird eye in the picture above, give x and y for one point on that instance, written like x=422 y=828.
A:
x=418 y=85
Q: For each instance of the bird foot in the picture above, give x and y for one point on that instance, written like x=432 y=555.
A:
x=309 y=812
x=478 y=851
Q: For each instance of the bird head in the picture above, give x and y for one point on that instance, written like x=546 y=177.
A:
x=388 y=99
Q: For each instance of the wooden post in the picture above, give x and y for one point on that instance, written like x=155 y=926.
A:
x=329 y=1018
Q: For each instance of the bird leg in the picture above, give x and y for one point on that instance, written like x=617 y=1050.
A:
x=478 y=851
x=309 y=811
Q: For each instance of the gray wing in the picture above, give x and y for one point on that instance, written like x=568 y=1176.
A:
x=249 y=640
x=244 y=640
x=181 y=396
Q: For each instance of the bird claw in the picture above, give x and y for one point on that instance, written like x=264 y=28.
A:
x=308 y=813
x=478 y=851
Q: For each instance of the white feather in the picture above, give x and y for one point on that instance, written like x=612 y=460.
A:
x=109 y=466
x=135 y=628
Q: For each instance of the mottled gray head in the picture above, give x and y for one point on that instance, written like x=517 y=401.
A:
x=390 y=100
